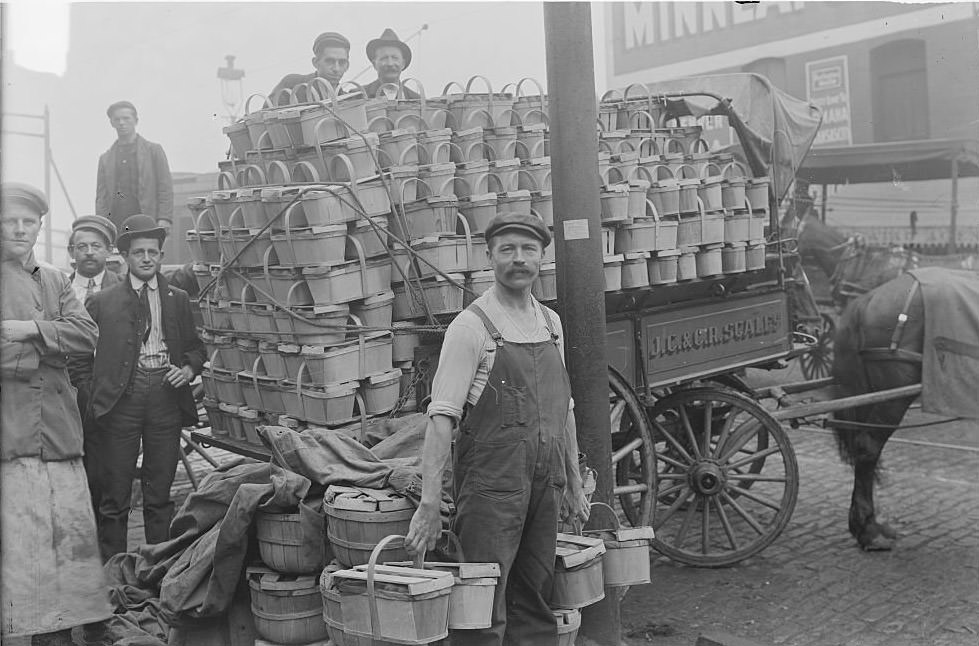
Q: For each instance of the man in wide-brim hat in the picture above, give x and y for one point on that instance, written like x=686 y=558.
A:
x=390 y=56
x=51 y=577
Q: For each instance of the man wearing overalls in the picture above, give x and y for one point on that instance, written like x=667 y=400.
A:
x=501 y=378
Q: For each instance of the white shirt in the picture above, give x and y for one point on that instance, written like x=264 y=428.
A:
x=80 y=284
x=153 y=353
x=469 y=352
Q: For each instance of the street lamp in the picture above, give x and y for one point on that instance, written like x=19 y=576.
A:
x=232 y=91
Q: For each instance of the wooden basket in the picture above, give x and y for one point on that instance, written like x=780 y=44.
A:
x=407 y=605
x=626 y=559
x=471 y=599
x=287 y=544
x=568 y=623
x=578 y=579
x=358 y=518
x=287 y=609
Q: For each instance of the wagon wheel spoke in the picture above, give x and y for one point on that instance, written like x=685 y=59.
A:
x=633 y=453
x=744 y=514
x=728 y=530
x=725 y=462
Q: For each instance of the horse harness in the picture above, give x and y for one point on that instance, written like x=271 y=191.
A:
x=894 y=352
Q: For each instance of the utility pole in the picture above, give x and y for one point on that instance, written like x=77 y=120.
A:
x=573 y=113
x=48 y=245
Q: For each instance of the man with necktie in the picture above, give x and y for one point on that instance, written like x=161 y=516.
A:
x=91 y=241
x=147 y=355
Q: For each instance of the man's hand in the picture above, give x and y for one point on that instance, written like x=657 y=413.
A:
x=426 y=525
x=19 y=331
x=575 y=506
x=166 y=224
x=178 y=377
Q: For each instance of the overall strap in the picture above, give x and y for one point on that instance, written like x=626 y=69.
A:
x=488 y=324
x=547 y=322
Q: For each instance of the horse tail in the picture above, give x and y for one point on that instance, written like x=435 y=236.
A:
x=850 y=376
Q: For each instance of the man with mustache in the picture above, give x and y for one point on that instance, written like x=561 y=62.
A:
x=51 y=577
x=331 y=58
x=147 y=355
x=502 y=393
x=91 y=241
x=390 y=57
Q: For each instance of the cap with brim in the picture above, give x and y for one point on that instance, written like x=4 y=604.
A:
x=16 y=193
x=139 y=226
x=519 y=223
x=96 y=223
x=330 y=39
x=390 y=39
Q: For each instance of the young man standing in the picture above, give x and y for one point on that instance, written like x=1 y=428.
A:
x=148 y=353
x=51 y=577
x=134 y=175
x=331 y=60
x=501 y=381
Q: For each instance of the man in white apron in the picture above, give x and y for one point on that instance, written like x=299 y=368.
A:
x=51 y=573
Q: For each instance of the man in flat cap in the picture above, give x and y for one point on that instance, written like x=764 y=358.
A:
x=147 y=355
x=134 y=175
x=502 y=393
x=389 y=56
x=91 y=240
x=51 y=576
x=331 y=59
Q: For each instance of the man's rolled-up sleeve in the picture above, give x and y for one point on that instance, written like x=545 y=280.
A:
x=458 y=362
x=72 y=332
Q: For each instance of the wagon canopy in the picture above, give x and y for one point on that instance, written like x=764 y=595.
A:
x=891 y=161
x=775 y=129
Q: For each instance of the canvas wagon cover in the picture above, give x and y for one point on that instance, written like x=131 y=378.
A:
x=775 y=129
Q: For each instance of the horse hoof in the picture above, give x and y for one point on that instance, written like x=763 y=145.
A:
x=887 y=531
x=877 y=544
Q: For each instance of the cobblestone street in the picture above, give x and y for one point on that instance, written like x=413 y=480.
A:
x=813 y=586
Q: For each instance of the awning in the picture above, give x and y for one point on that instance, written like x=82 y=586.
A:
x=893 y=161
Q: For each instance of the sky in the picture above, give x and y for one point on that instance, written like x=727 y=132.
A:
x=77 y=58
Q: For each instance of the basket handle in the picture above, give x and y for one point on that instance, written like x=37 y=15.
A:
x=360 y=88
x=246 y=171
x=610 y=95
x=675 y=144
x=276 y=98
x=610 y=510
x=701 y=144
x=420 y=125
x=210 y=212
x=363 y=265
x=319 y=125
x=705 y=172
x=378 y=119
x=226 y=180
x=648 y=141
x=351 y=174
x=625 y=92
x=265 y=138
x=316 y=84
x=469 y=240
x=634 y=116
x=309 y=169
x=489 y=87
x=384 y=89
x=283 y=170
x=534 y=186
x=248 y=101
x=371 y=565
x=292 y=290
x=652 y=207
x=540 y=90
x=418 y=87
x=456 y=544
x=686 y=171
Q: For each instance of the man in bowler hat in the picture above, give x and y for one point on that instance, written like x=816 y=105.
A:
x=331 y=60
x=147 y=355
x=389 y=56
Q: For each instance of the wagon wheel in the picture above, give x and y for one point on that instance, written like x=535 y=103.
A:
x=817 y=362
x=632 y=451
x=724 y=495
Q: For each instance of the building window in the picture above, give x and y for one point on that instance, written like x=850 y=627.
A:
x=900 y=90
x=771 y=68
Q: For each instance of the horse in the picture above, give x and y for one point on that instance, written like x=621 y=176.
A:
x=867 y=359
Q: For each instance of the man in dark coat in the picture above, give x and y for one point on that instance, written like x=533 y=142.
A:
x=331 y=58
x=389 y=56
x=90 y=243
x=134 y=175
x=148 y=353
